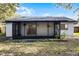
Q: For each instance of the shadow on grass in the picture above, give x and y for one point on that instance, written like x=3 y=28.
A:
x=32 y=40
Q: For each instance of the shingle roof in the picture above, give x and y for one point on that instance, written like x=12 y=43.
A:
x=41 y=19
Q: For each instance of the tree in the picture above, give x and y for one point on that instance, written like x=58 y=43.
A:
x=7 y=10
x=68 y=6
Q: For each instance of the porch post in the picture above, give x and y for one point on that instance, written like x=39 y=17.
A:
x=54 y=29
x=36 y=28
x=59 y=29
x=12 y=30
x=24 y=28
x=19 y=29
x=47 y=28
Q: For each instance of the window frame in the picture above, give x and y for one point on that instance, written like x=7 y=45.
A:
x=76 y=31
x=64 y=28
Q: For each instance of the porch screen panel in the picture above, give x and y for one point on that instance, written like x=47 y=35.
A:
x=51 y=29
x=31 y=29
x=16 y=29
x=42 y=29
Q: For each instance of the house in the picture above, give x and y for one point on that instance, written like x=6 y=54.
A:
x=39 y=27
x=76 y=29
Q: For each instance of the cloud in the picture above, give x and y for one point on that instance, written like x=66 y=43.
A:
x=46 y=14
x=24 y=11
x=75 y=17
x=59 y=15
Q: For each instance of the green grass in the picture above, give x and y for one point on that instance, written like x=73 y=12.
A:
x=39 y=48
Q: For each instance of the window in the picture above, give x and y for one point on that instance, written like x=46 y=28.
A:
x=64 y=27
x=76 y=29
x=31 y=29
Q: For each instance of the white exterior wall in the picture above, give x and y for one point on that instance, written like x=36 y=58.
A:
x=8 y=29
x=70 y=30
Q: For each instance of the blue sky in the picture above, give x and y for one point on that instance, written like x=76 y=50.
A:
x=45 y=9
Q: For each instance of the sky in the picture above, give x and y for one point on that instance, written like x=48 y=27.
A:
x=46 y=9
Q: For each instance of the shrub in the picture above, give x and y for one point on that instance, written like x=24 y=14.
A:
x=63 y=36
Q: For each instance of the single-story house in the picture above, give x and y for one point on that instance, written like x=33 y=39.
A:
x=76 y=29
x=39 y=27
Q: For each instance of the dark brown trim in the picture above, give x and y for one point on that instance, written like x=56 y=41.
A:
x=39 y=21
x=32 y=37
x=36 y=28
x=19 y=29
x=12 y=30
x=24 y=28
x=59 y=30
x=47 y=28
x=54 y=29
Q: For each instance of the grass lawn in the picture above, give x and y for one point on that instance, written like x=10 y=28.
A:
x=39 y=48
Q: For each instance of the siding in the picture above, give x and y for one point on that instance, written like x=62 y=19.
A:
x=70 y=30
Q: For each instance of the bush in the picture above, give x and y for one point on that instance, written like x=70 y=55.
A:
x=2 y=34
x=63 y=35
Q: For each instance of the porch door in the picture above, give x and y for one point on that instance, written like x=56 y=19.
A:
x=31 y=29
x=16 y=29
x=57 y=29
